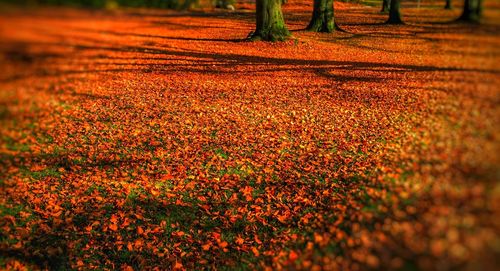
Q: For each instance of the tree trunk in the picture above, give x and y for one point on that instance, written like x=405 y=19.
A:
x=322 y=18
x=472 y=11
x=479 y=9
x=385 y=5
x=270 y=22
x=448 y=4
x=394 y=14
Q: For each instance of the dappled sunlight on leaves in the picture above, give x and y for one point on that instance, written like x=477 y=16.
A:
x=132 y=141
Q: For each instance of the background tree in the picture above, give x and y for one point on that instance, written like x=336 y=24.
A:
x=448 y=4
x=270 y=22
x=394 y=14
x=385 y=5
x=472 y=11
x=323 y=19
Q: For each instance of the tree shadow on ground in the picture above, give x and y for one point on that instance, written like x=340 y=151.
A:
x=116 y=33
x=226 y=60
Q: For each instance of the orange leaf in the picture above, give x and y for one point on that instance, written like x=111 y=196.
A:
x=239 y=240
x=206 y=247
x=113 y=227
x=166 y=177
x=140 y=231
x=255 y=251
x=178 y=265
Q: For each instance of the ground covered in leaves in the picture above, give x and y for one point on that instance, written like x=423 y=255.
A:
x=139 y=139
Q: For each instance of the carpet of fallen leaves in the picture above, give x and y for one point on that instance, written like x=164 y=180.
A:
x=143 y=139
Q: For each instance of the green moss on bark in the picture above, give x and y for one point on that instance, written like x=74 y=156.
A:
x=448 y=5
x=394 y=13
x=472 y=11
x=323 y=19
x=385 y=5
x=270 y=22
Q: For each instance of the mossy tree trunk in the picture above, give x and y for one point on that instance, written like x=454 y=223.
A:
x=394 y=14
x=323 y=19
x=448 y=4
x=270 y=22
x=385 y=5
x=479 y=9
x=472 y=11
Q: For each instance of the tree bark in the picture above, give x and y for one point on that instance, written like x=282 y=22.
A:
x=323 y=19
x=385 y=5
x=448 y=4
x=472 y=11
x=270 y=22
x=394 y=14
x=479 y=9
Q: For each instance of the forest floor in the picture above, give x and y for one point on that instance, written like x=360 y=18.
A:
x=146 y=138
